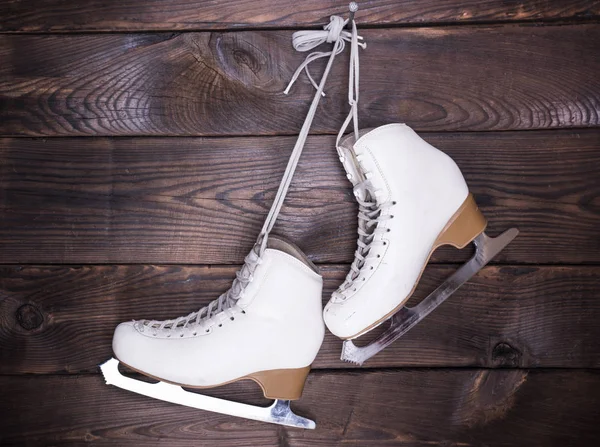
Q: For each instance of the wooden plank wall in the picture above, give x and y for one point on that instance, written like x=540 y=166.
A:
x=141 y=145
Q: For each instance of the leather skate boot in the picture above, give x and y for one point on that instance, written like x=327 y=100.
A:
x=412 y=199
x=271 y=333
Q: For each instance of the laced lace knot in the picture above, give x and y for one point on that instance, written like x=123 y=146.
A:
x=307 y=40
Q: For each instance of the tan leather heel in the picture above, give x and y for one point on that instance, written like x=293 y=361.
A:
x=466 y=224
x=282 y=383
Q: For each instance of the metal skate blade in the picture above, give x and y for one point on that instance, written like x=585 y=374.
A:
x=279 y=412
x=406 y=318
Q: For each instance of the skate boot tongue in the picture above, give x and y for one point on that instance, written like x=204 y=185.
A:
x=353 y=171
x=365 y=185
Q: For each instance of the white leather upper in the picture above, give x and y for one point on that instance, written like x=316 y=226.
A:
x=427 y=188
x=276 y=324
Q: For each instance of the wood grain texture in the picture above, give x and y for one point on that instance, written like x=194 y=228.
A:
x=150 y=218
x=156 y=200
x=392 y=408
x=61 y=319
x=435 y=79
x=128 y=15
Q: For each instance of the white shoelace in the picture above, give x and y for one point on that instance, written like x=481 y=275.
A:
x=335 y=33
x=305 y=41
x=369 y=216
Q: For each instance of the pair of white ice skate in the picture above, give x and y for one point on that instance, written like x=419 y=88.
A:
x=269 y=326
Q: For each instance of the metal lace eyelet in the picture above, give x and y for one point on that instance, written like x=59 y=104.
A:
x=244 y=312
x=379 y=256
x=220 y=325
x=207 y=331
x=180 y=335
x=394 y=202
x=195 y=333
x=388 y=230
x=385 y=243
x=231 y=318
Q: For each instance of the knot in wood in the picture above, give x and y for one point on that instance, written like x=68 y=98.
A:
x=246 y=61
x=29 y=317
x=504 y=355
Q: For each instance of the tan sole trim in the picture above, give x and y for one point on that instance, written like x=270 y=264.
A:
x=285 y=384
x=465 y=225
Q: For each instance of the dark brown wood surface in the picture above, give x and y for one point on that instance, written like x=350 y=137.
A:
x=61 y=319
x=203 y=201
x=164 y=15
x=435 y=79
x=141 y=145
x=391 y=408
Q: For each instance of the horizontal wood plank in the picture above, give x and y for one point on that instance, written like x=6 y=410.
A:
x=392 y=408
x=203 y=201
x=61 y=319
x=435 y=79
x=165 y=15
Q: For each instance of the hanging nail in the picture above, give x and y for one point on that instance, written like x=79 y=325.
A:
x=353 y=6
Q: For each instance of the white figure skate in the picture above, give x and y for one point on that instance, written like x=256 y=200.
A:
x=267 y=328
x=412 y=199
